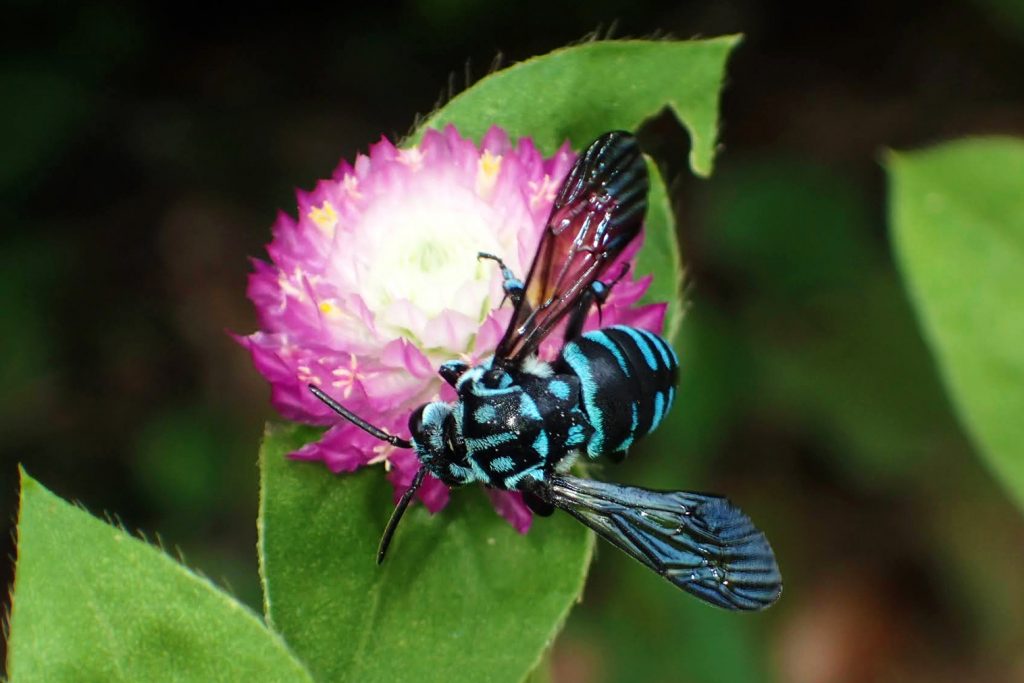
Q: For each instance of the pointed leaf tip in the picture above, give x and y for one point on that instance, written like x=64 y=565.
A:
x=91 y=602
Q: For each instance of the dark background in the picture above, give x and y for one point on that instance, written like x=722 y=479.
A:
x=148 y=146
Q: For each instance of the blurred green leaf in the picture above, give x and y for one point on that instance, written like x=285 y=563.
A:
x=650 y=631
x=957 y=214
x=787 y=227
x=832 y=341
x=180 y=460
x=461 y=596
x=851 y=366
x=91 y=603
x=31 y=271
x=185 y=456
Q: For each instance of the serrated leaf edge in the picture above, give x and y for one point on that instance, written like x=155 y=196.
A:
x=27 y=483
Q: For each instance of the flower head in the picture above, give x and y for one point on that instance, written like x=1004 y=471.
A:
x=377 y=283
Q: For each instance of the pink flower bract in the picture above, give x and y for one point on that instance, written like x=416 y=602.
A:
x=377 y=283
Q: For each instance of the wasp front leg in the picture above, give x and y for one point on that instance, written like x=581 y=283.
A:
x=597 y=293
x=512 y=286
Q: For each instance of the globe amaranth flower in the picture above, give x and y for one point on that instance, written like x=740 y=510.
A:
x=378 y=282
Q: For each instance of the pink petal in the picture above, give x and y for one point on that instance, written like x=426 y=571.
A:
x=510 y=505
x=450 y=330
x=343 y=448
x=651 y=317
x=495 y=141
x=399 y=353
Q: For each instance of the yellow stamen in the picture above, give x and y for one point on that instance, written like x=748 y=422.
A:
x=324 y=216
x=328 y=308
x=487 y=173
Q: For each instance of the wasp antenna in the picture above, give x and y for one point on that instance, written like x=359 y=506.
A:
x=358 y=421
x=396 y=516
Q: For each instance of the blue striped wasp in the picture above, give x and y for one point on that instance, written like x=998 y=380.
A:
x=519 y=423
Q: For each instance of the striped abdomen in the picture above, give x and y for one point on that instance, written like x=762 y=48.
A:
x=628 y=379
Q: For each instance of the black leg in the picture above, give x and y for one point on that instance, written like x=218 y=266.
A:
x=512 y=285
x=537 y=497
x=538 y=506
x=598 y=293
x=574 y=327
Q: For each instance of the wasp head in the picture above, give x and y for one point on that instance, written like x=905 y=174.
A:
x=437 y=438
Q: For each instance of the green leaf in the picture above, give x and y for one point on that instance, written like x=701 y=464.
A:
x=815 y=292
x=957 y=215
x=659 y=255
x=461 y=596
x=92 y=603
x=579 y=92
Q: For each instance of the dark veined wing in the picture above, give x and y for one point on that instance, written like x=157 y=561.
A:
x=703 y=544
x=598 y=211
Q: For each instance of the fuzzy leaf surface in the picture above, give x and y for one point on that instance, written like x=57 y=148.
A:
x=93 y=603
x=461 y=595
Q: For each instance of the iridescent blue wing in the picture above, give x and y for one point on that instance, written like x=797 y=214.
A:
x=703 y=544
x=598 y=211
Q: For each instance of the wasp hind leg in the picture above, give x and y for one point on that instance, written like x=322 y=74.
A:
x=538 y=506
x=596 y=294
x=512 y=285
x=537 y=497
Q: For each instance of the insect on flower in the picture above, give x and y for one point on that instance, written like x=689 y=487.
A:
x=519 y=423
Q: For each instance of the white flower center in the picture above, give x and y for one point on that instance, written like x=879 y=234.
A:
x=423 y=249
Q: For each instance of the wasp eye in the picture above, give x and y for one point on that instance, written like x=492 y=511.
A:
x=426 y=424
x=416 y=421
